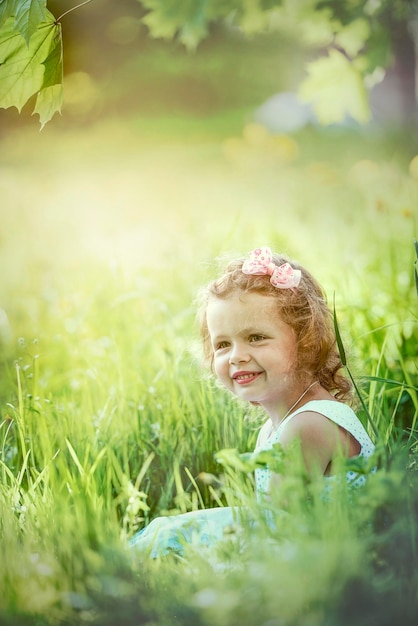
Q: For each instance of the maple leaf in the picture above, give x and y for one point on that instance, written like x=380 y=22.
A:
x=335 y=88
x=353 y=36
x=28 y=15
x=50 y=96
x=169 y=18
x=31 y=68
x=7 y=8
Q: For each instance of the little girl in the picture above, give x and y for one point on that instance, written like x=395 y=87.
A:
x=268 y=334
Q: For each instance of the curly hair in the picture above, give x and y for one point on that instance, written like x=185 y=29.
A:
x=304 y=309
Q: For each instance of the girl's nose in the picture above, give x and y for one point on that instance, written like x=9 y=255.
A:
x=238 y=354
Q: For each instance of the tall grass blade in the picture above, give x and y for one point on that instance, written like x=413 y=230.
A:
x=75 y=457
x=338 y=337
x=344 y=362
x=389 y=381
x=144 y=469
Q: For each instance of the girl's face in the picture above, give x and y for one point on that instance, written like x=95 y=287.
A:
x=254 y=351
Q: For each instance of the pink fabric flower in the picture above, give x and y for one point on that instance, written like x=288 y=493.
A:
x=281 y=276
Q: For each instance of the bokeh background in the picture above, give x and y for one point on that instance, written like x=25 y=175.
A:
x=167 y=159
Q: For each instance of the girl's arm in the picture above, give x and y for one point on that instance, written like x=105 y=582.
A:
x=320 y=441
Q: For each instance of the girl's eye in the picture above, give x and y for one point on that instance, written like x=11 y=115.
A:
x=221 y=345
x=255 y=338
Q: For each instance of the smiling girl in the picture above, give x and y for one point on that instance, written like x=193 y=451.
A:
x=268 y=334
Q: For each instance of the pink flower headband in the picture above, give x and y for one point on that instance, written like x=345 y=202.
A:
x=260 y=262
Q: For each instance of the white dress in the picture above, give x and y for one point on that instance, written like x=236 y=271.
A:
x=207 y=527
x=338 y=413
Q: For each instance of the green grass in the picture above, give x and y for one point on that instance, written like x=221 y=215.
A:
x=108 y=419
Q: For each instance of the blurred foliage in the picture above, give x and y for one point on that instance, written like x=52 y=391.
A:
x=355 y=42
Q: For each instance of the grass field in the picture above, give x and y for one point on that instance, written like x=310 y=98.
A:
x=107 y=417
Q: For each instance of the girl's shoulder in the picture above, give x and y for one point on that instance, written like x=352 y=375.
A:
x=317 y=434
x=320 y=416
x=309 y=415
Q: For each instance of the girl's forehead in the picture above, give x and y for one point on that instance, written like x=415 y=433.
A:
x=242 y=307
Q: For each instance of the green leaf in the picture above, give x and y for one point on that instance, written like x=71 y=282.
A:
x=335 y=88
x=31 y=69
x=28 y=15
x=353 y=36
x=7 y=8
x=48 y=102
x=232 y=458
x=317 y=27
x=253 y=19
x=360 y=465
x=169 y=18
x=21 y=73
x=249 y=461
x=53 y=62
x=49 y=99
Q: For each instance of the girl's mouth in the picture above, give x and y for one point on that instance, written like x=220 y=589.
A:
x=244 y=378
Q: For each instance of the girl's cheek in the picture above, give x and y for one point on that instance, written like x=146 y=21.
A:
x=218 y=367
